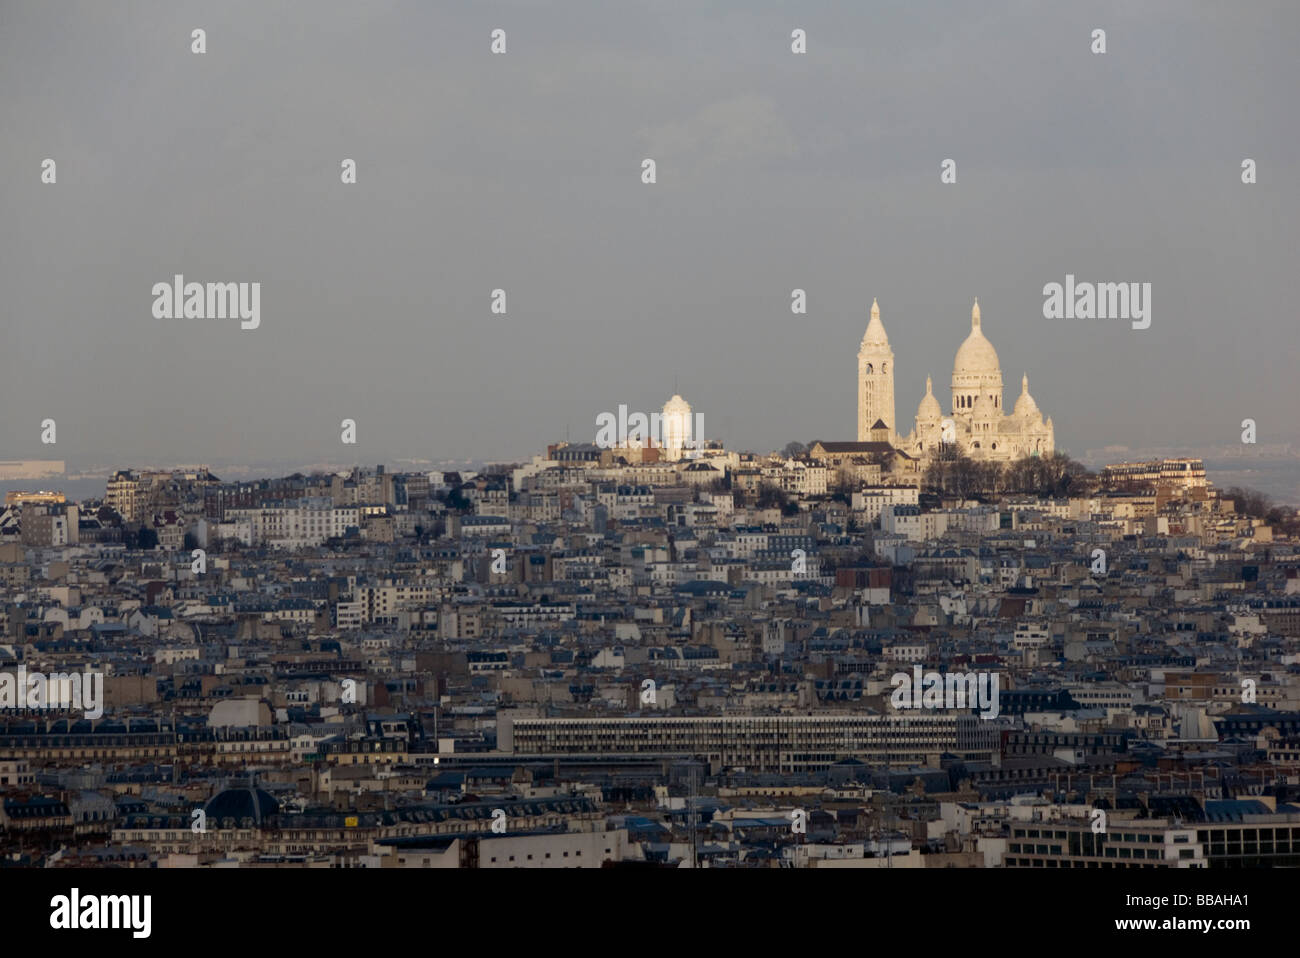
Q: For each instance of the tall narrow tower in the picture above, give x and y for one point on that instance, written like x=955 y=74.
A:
x=675 y=426
x=875 y=379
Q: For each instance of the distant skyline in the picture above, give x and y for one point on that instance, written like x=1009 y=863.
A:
x=1269 y=472
x=775 y=171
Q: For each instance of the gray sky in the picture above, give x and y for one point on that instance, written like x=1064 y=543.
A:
x=522 y=171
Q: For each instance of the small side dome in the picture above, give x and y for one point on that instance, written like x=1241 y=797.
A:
x=1025 y=405
x=929 y=408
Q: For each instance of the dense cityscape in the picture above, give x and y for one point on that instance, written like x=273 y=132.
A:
x=736 y=440
x=655 y=651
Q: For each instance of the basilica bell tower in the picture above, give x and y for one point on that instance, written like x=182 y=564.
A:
x=875 y=379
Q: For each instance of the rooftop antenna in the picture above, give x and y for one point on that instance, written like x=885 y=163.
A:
x=889 y=830
x=690 y=816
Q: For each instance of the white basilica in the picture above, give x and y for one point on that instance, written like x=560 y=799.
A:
x=978 y=424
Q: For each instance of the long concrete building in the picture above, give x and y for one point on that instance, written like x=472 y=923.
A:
x=778 y=743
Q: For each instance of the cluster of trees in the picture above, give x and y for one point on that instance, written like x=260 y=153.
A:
x=773 y=497
x=139 y=538
x=1257 y=505
x=954 y=473
x=108 y=516
x=1250 y=502
x=455 y=500
x=436 y=529
x=1056 y=475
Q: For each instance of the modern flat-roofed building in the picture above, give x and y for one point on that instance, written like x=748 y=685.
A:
x=1151 y=843
x=1247 y=833
x=784 y=743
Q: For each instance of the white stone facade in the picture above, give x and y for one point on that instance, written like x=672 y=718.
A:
x=978 y=423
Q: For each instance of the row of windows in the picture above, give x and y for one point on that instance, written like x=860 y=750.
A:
x=1114 y=836
x=968 y=402
x=1068 y=863
x=1108 y=851
x=577 y=854
x=1249 y=834
x=1230 y=836
x=113 y=753
x=1220 y=850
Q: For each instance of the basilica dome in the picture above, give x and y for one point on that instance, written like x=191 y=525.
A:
x=1025 y=405
x=976 y=356
x=929 y=408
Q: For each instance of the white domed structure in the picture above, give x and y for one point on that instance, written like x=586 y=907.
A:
x=978 y=423
x=976 y=371
x=1025 y=405
x=976 y=354
x=929 y=408
x=675 y=427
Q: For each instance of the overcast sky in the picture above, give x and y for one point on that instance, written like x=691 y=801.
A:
x=523 y=171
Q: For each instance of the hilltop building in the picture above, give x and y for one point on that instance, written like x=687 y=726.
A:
x=978 y=423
